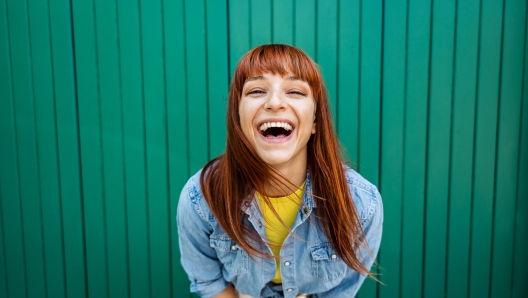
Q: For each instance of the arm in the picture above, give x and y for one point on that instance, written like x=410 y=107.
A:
x=373 y=230
x=228 y=292
x=198 y=258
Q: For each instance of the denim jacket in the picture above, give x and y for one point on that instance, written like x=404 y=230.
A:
x=308 y=262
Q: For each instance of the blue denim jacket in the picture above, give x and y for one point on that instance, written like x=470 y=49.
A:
x=308 y=263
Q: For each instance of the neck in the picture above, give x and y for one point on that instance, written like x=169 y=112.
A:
x=293 y=173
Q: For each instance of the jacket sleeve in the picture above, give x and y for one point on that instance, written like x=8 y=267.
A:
x=373 y=230
x=198 y=258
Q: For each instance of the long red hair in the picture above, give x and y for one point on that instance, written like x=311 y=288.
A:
x=229 y=179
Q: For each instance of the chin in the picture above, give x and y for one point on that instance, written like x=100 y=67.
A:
x=274 y=160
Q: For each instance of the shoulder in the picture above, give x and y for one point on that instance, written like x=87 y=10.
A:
x=192 y=200
x=366 y=196
x=192 y=187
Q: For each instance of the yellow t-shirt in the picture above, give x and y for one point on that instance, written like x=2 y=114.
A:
x=287 y=208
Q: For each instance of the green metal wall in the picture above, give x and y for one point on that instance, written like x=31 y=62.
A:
x=108 y=106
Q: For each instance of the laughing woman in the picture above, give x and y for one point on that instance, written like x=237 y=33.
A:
x=279 y=214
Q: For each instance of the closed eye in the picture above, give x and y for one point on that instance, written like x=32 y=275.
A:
x=256 y=91
x=295 y=92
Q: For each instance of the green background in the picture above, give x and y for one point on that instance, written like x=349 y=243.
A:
x=108 y=106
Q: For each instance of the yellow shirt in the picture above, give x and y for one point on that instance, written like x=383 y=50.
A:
x=287 y=208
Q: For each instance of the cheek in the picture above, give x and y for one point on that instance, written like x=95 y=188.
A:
x=310 y=112
x=245 y=116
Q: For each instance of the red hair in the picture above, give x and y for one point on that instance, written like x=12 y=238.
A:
x=229 y=179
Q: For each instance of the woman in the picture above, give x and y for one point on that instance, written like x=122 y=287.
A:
x=279 y=214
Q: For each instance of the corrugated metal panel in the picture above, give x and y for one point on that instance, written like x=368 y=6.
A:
x=107 y=107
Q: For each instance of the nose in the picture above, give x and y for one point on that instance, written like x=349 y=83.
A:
x=275 y=102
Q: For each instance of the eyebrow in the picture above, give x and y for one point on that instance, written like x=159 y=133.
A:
x=293 y=78
x=255 y=78
x=289 y=78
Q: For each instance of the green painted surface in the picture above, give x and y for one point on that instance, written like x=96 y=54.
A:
x=178 y=151
x=47 y=150
x=112 y=146
x=415 y=148
x=107 y=107
x=130 y=54
x=369 y=112
x=347 y=105
x=23 y=84
x=325 y=49
x=520 y=272
x=438 y=146
x=392 y=140
x=507 y=158
x=14 y=275
x=484 y=155
x=462 y=145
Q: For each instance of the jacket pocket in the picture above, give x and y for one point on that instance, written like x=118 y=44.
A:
x=233 y=258
x=326 y=264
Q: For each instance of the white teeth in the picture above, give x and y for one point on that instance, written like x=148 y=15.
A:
x=267 y=125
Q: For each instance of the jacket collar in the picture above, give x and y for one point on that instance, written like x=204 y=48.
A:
x=249 y=205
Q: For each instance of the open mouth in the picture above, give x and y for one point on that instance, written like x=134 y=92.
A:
x=275 y=129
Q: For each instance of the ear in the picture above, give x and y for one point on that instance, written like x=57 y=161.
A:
x=313 y=128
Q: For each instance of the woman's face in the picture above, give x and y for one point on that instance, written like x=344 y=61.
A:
x=277 y=116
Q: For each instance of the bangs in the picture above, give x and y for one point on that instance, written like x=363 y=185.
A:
x=278 y=59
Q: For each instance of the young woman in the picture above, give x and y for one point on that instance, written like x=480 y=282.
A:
x=279 y=214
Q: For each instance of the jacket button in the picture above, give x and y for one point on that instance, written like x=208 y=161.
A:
x=289 y=290
x=287 y=263
x=334 y=256
x=246 y=203
x=233 y=247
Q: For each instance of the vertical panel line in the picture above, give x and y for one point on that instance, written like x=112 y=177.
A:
x=450 y=172
x=426 y=179
x=207 y=93
x=523 y=118
x=475 y=129
x=316 y=30
x=57 y=155
x=451 y=121
x=294 y=17
x=103 y=183
x=272 y=22
x=380 y=137
x=497 y=134
x=2 y=236
x=338 y=21
x=145 y=153
x=228 y=47
x=250 y=24
x=166 y=124
x=404 y=146
x=9 y=66
x=186 y=92
x=382 y=61
x=358 y=120
x=123 y=151
x=36 y=142
x=79 y=149
x=16 y=147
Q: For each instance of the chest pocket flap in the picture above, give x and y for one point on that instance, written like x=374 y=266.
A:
x=233 y=258
x=324 y=252
x=223 y=244
x=326 y=264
